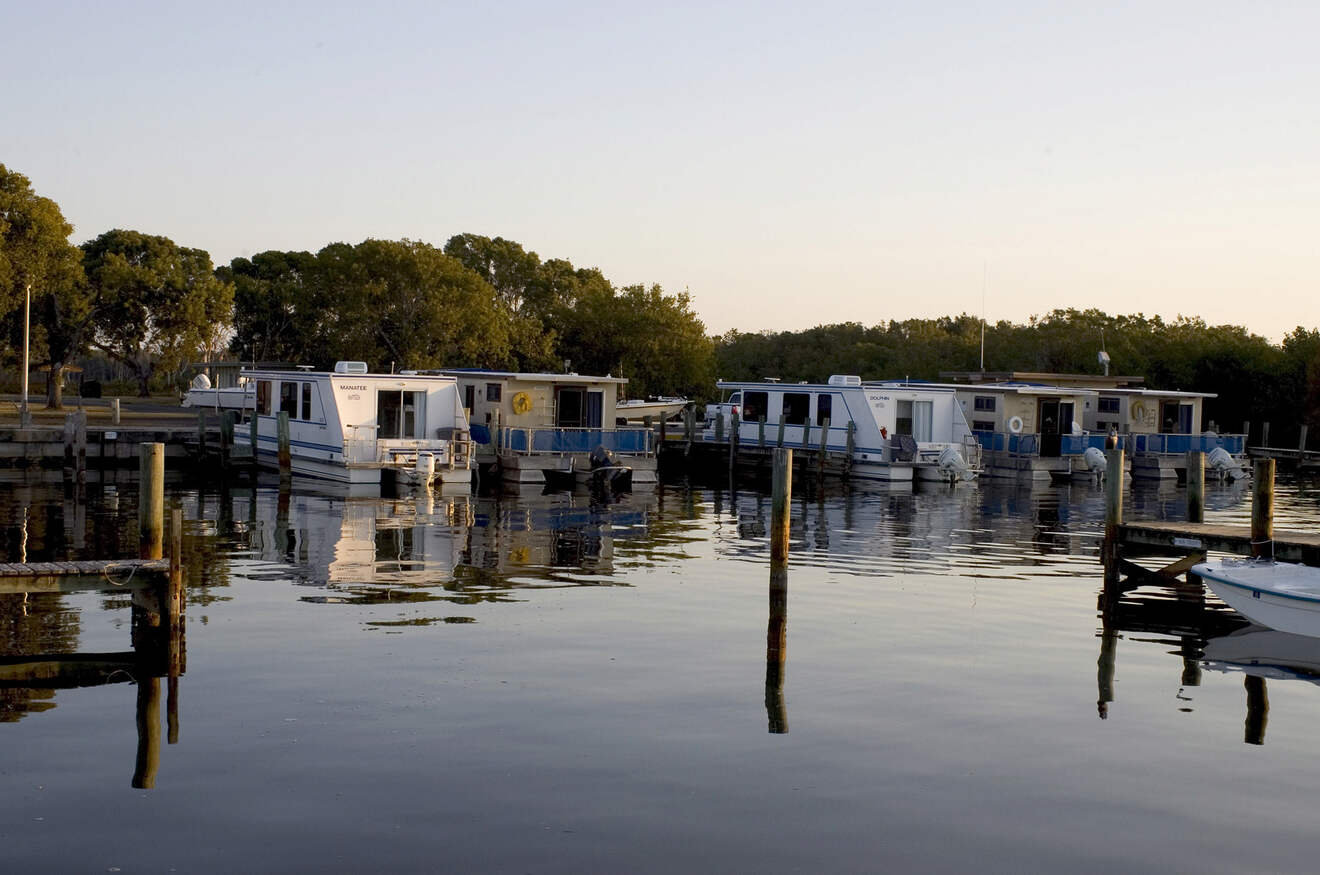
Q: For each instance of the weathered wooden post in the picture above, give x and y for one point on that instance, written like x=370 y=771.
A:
x=806 y=438
x=226 y=439
x=760 y=432
x=1246 y=433
x=663 y=434
x=114 y=411
x=780 y=441
x=201 y=432
x=781 y=494
x=1265 y=435
x=851 y=446
x=1113 y=515
x=81 y=442
x=719 y=427
x=1301 y=445
x=1195 y=486
x=690 y=423
x=285 y=451
x=151 y=500
x=1262 y=510
x=776 y=650
x=174 y=603
x=733 y=439
x=824 y=445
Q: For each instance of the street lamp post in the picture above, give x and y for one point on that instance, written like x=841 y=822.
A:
x=26 y=418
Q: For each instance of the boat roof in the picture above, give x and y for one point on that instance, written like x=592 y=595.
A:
x=307 y=373
x=914 y=385
x=541 y=377
x=1019 y=388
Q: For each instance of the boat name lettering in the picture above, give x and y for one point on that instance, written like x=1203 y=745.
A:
x=347 y=388
x=877 y=397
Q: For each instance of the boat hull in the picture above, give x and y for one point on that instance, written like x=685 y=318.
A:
x=1279 y=595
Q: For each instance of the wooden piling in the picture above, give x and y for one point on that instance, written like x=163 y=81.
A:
x=1195 y=486
x=151 y=500
x=1246 y=432
x=114 y=411
x=1262 y=510
x=253 y=438
x=824 y=445
x=1258 y=710
x=201 y=433
x=1113 y=515
x=781 y=494
x=1301 y=445
x=780 y=441
x=226 y=439
x=760 y=432
x=733 y=439
x=806 y=437
x=80 y=440
x=851 y=446
x=285 y=452
x=1265 y=435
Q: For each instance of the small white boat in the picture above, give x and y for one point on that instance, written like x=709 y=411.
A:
x=1279 y=595
x=202 y=394
x=636 y=409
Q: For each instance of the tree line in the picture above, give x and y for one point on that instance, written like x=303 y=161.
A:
x=153 y=306
x=1253 y=379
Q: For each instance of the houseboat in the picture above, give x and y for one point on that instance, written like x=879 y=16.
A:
x=528 y=424
x=354 y=427
x=893 y=431
x=1044 y=426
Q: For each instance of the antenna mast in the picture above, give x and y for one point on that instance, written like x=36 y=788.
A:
x=984 y=270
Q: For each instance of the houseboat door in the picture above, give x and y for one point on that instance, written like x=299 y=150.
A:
x=1055 y=421
x=579 y=408
x=1175 y=417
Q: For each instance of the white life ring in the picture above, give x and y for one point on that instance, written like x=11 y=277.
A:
x=1138 y=411
x=1015 y=425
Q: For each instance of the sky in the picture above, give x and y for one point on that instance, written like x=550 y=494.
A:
x=788 y=165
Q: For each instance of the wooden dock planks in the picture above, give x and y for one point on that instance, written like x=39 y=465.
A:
x=1183 y=537
x=71 y=576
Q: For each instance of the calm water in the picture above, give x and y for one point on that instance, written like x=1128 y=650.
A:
x=541 y=684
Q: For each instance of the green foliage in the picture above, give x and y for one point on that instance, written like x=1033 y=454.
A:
x=35 y=251
x=155 y=303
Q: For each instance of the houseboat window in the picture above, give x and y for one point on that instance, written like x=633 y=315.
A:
x=915 y=418
x=797 y=407
x=493 y=391
x=399 y=415
x=984 y=403
x=983 y=425
x=823 y=405
x=289 y=399
x=263 y=397
x=470 y=397
x=755 y=406
x=307 y=401
x=1106 y=405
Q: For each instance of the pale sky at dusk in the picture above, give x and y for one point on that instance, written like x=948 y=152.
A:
x=789 y=164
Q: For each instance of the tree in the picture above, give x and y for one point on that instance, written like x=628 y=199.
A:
x=155 y=302
x=277 y=308
x=35 y=252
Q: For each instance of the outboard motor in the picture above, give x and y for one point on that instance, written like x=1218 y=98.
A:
x=1225 y=467
x=953 y=466
x=607 y=472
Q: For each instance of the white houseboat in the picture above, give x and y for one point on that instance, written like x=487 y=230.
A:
x=1044 y=425
x=354 y=427
x=895 y=430
x=528 y=424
